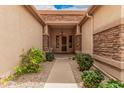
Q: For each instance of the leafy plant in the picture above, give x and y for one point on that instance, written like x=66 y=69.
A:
x=92 y=78
x=50 y=56
x=30 y=61
x=112 y=84
x=36 y=56
x=85 y=61
x=4 y=81
x=30 y=68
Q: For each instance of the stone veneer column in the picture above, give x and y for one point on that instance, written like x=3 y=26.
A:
x=46 y=39
x=78 y=40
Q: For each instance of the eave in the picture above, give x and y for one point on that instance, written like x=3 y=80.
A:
x=90 y=11
x=33 y=11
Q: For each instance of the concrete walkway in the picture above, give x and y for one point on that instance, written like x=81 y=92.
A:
x=61 y=75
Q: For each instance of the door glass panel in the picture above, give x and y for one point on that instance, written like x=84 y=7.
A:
x=57 y=41
x=64 y=43
x=70 y=41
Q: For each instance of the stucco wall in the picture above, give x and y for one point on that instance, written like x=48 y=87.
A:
x=87 y=34
x=105 y=16
x=122 y=14
x=122 y=11
x=18 y=30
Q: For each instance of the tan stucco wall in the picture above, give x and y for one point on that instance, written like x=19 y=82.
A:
x=105 y=16
x=87 y=41
x=122 y=11
x=122 y=14
x=18 y=30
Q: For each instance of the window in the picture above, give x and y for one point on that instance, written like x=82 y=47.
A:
x=57 y=41
x=70 y=41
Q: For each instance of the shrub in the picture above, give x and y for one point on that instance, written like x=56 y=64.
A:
x=49 y=56
x=92 y=78
x=85 y=61
x=4 y=81
x=30 y=61
x=112 y=84
x=36 y=56
x=30 y=68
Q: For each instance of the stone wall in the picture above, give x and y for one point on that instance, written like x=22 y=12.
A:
x=108 y=51
x=77 y=43
x=122 y=42
x=45 y=42
x=107 y=43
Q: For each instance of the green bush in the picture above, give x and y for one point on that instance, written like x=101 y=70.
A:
x=36 y=56
x=85 y=61
x=92 y=78
x=112 y=84
x=30 y=61
x=49 y=56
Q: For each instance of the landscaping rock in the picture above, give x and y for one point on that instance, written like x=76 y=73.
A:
x=32 y=80
x=76 y=72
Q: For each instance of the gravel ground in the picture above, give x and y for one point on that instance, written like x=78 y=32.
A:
x=37 y=80
x=76 y=72
x=33 y=80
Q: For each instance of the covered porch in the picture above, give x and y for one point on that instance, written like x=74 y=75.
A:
x=61 y=38
x=62 y=33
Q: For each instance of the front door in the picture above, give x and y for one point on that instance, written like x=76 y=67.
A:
x=64 y=44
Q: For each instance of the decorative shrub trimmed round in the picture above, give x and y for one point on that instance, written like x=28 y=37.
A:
x=92 y=78
x=85 y=61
